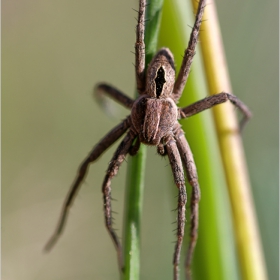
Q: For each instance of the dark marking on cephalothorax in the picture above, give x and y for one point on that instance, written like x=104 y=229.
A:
x=160 y=80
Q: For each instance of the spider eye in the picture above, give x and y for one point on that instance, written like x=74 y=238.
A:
x=160 y=80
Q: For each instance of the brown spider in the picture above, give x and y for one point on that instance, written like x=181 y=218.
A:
x=154 y=121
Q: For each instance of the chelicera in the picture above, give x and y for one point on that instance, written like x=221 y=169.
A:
x=154 y=121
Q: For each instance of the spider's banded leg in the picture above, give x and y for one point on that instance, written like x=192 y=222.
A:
x=178 y=174
x=114 y=93
x=213 y=100
x=112 y=171
x=140 y=48
x=189 y=54
x=188 y=161
x=105 y=143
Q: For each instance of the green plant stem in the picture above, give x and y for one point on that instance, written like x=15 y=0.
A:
x=136 y=166
x=250 y=253
x=215 y=256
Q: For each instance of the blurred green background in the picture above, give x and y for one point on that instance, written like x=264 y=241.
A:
x=53 y=53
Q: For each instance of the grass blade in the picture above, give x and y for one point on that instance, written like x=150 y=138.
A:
x=136 y=165
x=250 y=254
x=215 y=251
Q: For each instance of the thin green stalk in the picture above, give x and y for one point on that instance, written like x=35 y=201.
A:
x=136 y=166
x=251 y=259
x=215 y=256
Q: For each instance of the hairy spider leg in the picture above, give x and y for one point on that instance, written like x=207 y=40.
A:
x=135 y=147
x=96 y=152
x=112 y=92
x=179 y=178
x=112 y=171
x=189 y=54
x=189 y=164
x=216 y=99
x=140 y=48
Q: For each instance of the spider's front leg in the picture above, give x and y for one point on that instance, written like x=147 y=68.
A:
x=189 y=54
x=178 y=174
x=112 y=171
x=187 y=158
x=140 y=48
x=213 y=100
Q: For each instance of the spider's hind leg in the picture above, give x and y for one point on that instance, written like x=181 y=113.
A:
x=178 y=174
x=190 y=167
x=112 y=171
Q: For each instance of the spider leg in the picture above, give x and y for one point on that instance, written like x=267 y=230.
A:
x=104 y=143
x=135 y=148
x=213 y=100
x=112 y=171
x=178 y=174
x=140 y=48
x=187 y=158
x=114 y=93
x=161 y=150
x=189 y=54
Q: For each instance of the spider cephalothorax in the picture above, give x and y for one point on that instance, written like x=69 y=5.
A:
x=160 y=77
x=154 y=113
x=154 y=121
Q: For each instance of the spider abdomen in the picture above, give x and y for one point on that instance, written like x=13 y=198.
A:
x=153 y=118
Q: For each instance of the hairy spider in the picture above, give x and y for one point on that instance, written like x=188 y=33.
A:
x=154 y=121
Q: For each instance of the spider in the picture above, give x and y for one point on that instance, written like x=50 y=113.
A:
x=154 y=121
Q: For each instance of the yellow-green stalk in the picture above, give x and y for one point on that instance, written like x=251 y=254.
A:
x=249 y=248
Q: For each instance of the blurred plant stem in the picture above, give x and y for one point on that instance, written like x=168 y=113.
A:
x=247 y=238
x=136 y=165
x=215 y=251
